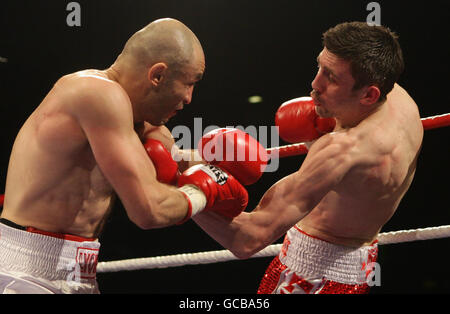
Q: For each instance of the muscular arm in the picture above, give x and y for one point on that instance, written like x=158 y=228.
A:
x=104 y=113
x=287 y=201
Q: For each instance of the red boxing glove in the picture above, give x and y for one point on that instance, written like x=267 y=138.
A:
x=166 y=168
x=235 y=151
x=208 y=187
x=298 y=121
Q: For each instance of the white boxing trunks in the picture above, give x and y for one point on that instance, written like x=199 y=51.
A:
x=34 y=261
x=308 y=265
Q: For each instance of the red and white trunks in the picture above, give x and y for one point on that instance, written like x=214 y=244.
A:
x=33 y=261
x=308 y=265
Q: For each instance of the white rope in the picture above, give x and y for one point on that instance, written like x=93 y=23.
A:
x=272 y=250
x=414 y=235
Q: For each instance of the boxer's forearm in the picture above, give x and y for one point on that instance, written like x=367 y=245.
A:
x=246 y=234
x=154 y=206
x=233 y=235
x=281 y=207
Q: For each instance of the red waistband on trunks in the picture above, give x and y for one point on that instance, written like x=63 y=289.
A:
x=63 y=236
x=305 y=233
x=311 y=236
x=69 y=237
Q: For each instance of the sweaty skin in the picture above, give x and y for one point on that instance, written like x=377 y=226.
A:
x=352 y=180
x=83 y=143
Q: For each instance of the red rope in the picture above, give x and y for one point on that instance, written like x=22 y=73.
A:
x=436 y=121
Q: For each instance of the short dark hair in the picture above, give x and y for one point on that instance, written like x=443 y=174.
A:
x=374 y=53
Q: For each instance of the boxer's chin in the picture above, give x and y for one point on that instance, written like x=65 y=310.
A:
x=323 y=113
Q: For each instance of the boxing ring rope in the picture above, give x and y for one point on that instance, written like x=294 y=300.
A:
x=272 y=250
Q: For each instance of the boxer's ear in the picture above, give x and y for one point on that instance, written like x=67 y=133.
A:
x=371 y=95
x=157 y=73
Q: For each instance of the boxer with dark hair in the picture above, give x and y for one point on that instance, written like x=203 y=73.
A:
x=352 y=180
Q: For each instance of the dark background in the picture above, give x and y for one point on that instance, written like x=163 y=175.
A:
x=265 y=48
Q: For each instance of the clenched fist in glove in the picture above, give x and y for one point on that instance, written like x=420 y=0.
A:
x=235 y=151
x=208 y=187
x=166 y=168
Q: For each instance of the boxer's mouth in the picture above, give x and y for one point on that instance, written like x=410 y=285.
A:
x=315 y=98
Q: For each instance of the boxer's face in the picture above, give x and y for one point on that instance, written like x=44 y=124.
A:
x=177 y=90
x=333 y=87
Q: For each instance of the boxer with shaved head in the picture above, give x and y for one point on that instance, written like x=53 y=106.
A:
x=90 y=139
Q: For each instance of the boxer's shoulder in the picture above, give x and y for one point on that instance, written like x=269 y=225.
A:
x=92 y=93
x=88 y=82
x=338 y=142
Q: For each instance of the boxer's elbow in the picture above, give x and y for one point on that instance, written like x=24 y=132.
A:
x=242 y=250
x=241 y=254
x=245 y=252
x=143 y=224
x=248 y=249
x=251 y=241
